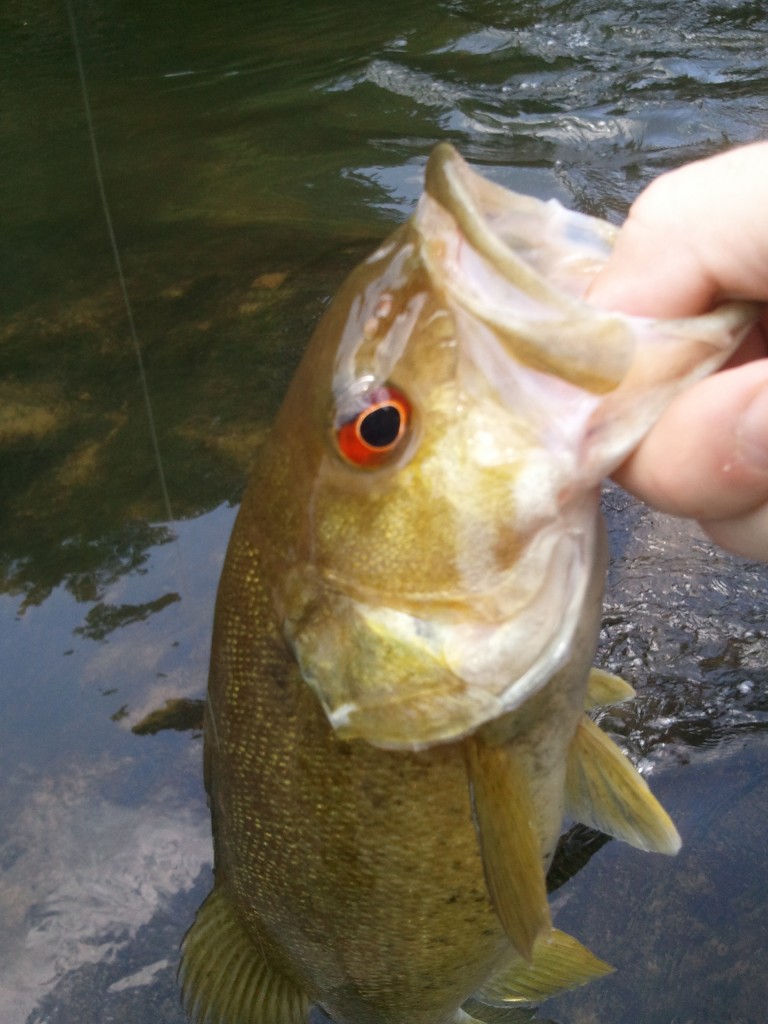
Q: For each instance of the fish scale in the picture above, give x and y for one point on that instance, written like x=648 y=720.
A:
x=325 y=804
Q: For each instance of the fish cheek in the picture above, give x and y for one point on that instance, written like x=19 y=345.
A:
x=441 y=524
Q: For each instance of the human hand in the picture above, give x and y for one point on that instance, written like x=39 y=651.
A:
x=695 y=237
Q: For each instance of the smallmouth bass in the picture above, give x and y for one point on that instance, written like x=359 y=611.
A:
x=406 y=624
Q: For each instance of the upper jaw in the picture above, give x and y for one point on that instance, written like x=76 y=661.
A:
x=518 y=268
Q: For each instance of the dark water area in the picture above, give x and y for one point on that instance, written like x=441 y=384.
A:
x=251 y=155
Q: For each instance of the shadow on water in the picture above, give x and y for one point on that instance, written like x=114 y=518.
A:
x=252 y=155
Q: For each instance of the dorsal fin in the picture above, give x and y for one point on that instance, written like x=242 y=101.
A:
x=605 y=688
x=225 y=979
x=604 y=790
x=510 y=850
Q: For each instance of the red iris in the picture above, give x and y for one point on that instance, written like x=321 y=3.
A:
x=376 y=430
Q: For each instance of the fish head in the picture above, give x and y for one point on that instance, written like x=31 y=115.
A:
x=431 y=532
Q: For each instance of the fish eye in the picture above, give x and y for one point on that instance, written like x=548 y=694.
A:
x=376 y=431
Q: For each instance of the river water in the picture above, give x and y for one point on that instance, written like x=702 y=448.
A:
x=251 y=155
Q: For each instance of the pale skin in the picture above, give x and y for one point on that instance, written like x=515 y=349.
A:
x=694 y=237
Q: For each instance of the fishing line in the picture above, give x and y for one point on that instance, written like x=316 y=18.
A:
x=116 y=255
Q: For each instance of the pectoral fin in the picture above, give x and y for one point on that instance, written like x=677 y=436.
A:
x=559 y=963
x=605 y=688
x=225 y=979
x=512 y=859
x=604 y=790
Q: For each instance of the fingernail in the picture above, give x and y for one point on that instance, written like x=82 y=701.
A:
x=752 y=432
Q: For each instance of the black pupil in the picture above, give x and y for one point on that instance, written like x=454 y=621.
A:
x=380 y=427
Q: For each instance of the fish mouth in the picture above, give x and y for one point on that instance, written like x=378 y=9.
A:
x=515 y=269
x=404 y=680
x=521 y=266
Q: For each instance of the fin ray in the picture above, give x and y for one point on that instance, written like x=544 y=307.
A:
x=224 y=978
x=482 y=1014
x=560 y=963
x=605 y=790
x=511 y=854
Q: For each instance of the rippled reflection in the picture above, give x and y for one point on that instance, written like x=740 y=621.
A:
x=102 y=832
x=252 y=154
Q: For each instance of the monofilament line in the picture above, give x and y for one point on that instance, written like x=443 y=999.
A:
x=118 y=262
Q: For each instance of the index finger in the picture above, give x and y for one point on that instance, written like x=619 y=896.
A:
x=695 y=236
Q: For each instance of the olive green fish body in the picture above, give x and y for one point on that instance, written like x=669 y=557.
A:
x=406 y=621
x=356 y=870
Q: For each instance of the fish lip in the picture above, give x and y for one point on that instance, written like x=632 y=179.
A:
x=466 y=196
x=557 y=329
x=542 y=323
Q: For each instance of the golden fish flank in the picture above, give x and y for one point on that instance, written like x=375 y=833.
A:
x=406 y=622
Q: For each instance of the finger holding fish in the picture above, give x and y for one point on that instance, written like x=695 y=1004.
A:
x=693 y=236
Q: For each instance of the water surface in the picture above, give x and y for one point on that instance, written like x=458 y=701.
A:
x=252 y=154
